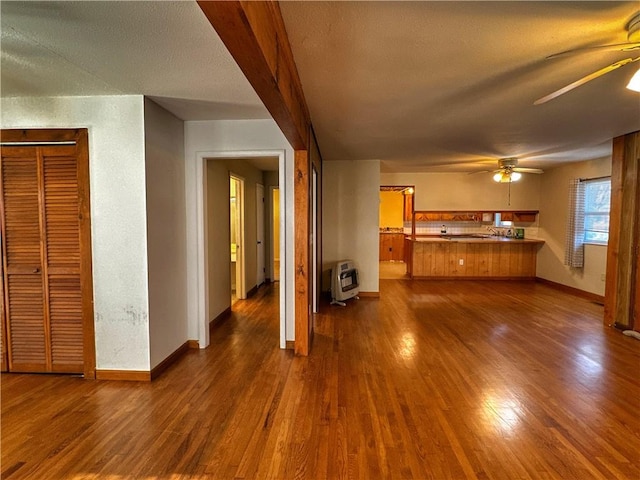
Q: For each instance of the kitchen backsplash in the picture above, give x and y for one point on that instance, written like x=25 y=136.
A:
x=434 y=228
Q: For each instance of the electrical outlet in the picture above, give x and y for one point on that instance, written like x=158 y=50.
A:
x=603 y=277
x=461 y=261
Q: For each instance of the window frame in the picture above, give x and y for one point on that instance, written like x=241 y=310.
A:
x=591 y=214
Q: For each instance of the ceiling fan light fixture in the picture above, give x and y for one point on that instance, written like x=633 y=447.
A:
x=634 y=83
x=633 y=29
x=507 y=176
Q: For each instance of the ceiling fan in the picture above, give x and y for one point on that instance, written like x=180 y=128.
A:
x=508 y=170
x=632 y=45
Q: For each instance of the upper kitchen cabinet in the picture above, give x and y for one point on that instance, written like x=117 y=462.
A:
x=527 y=216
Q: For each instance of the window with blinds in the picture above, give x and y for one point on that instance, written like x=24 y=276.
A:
x=597 y=200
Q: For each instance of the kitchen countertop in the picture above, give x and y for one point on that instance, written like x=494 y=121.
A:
x=471 y=239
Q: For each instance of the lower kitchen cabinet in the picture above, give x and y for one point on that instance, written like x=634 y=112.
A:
x=391 y=247
x=514 y=259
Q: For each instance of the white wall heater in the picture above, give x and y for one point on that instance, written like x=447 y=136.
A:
x=344 y=282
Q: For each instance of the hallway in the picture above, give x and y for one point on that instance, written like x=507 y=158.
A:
x=442 y=380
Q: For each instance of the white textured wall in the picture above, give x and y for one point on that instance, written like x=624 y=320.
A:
x=166 y=227
x=218 y=235
x=460 y=191
x=118 y=214
x=554 y=212
x=350 y=209
x=205 y=138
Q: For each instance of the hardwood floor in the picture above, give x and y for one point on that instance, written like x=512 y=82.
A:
x=392 y=271
x=436 y=379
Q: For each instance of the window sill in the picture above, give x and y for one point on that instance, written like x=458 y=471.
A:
x=600 y=244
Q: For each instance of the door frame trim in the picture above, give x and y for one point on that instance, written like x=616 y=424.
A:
x=201 y=278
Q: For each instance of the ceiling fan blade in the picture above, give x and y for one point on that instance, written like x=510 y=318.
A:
x=583 y=80
x=622 y=47
x=528 y=170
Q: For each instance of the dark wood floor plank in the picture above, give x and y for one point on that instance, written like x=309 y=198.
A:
x=433 y=380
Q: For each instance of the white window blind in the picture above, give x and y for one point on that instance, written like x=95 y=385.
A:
x=597 y=195
x=589 y=204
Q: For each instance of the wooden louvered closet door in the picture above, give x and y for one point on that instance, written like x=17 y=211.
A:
x=41 y=259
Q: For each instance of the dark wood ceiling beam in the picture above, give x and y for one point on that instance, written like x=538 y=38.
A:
x=255 y=35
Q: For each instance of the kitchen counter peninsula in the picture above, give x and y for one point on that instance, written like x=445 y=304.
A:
x=471 y=256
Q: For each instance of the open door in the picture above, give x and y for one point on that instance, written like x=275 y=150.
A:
x=275 y=240
x=315 y=294
x=260 y=261
x=236 y=229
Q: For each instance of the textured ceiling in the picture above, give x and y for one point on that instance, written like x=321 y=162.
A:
x=422 y=85
x=165 y=50
x=418 y=85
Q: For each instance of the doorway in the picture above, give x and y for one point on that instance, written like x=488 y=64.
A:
x=396 y=212
x=212 y=286
x=236 y=240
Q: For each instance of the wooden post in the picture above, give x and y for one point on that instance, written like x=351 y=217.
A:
x=302 y=264
x=621 y=289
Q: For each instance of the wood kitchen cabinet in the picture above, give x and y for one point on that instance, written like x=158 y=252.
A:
x=447 y=216
x=465 y=217
x=511 y=259
x=398 y=247
x=428 y=217
x=391 y=247
x=385 y=247
x=526 y=216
